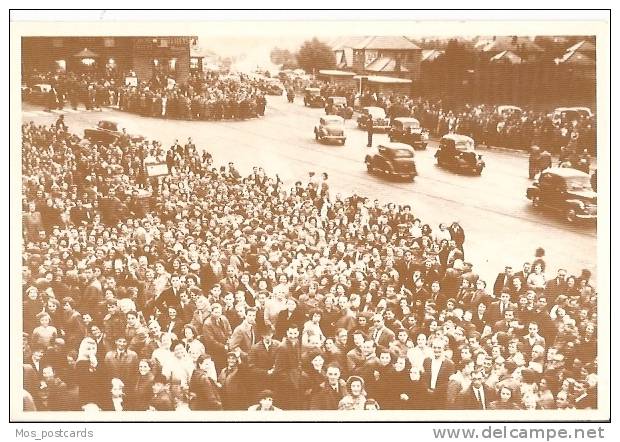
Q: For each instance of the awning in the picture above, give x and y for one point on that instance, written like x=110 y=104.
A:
x=336 y=73
x=86 y=53
x=383 y=79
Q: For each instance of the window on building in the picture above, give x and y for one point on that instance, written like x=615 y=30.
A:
x=155 y=62
x=109 y=42
x=193 y=63
x=57 y=42
x=172 y=65
x=163 y=42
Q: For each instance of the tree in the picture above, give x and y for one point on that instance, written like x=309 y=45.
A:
x=314 y=55
x=283 y=57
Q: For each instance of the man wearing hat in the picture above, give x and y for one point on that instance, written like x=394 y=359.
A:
x=261 y=360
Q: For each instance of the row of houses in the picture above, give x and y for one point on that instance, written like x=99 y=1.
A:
x=520 y=66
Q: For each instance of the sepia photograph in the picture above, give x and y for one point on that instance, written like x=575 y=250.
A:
x=336 y=222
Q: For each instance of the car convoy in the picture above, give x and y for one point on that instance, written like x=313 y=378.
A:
x=565 y=190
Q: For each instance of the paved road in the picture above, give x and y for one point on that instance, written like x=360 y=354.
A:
x=500 y=224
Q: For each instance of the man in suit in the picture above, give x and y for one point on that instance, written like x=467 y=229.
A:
x=170 y=297
x=556 y=286
x=478 y=396
x=523 y=274
x=216 y=333
x=437 y=372
x=508 y=324
x=496 y=309
x=380 y=333
x=261 y=360
x=405 y=269
x=122 y=363
x=331 y=392
x=290 y=315
x=57 y=392
x=244 y=336
x=502 y=281
x=203 y=389
x=287 y=370
x=481 y=317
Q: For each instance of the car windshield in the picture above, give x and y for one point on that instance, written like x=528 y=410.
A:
x=333 y=123
x=411 y=125
x=464 y=145
x=402 y=153
x=376 y=113
x=577 y=183
x=339 y=101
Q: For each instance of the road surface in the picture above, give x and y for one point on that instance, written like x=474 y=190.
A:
x=500 y=224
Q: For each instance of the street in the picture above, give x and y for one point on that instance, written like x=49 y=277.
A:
x=500 y=224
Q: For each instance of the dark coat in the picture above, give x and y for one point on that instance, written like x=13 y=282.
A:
x=437 y=397
x=467 y=399
x=205 y=394
x=326 y=398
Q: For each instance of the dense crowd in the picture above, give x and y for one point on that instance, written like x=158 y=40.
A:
x=205 y=96
x=205 y=289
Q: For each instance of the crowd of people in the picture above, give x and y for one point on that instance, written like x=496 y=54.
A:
x=487 y=126
x=205 y=96
x=208 y=289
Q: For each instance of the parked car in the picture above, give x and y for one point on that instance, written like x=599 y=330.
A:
x=457 y=153
x=508 y=109
x=395 y=159
x=407 y=130
x=330 y=128
x=565 y=190
x=569 y=114
x=107 y=132
x=37 y=94
x=380 y=121
x=274 y=87
x=313 y=98
x=338 y=106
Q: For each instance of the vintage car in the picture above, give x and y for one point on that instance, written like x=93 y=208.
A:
x=313 y=97
x=274 y=87
x=565 y=190
x=338 y=106
x=570 y=114
x=509 y=109
x=457 y=153
x=380 y=121
x=394 y=159
x=107 y=132
x=37 y=94
x=330 y=128
x=407 y=130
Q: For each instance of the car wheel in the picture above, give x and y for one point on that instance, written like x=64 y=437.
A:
x=391 y=138
x=369 y=167
x=536 y=202
x=479 y=172
x=316 y=135
x=571 y=215
x=412 y=178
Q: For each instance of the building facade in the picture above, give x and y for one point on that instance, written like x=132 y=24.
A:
x=143 y=55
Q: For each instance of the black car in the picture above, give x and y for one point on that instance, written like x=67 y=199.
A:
x=407 y=130
x=107 y=132
x=565 y=190
x=338 y=106
x=380 y=121
x=394 y=159
x=313 y=98
x=457 y=153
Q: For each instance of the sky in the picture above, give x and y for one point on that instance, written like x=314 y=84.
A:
x=256 y=50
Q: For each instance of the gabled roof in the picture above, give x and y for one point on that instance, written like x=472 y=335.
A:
x=395 y=42
x=506 y=43
x=340 y=43
x=431 y=54
x=576 y=58
x=507 y=56
x=583 y=45
x=384 y=64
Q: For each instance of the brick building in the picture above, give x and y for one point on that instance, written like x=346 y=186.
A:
x=143 y=55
